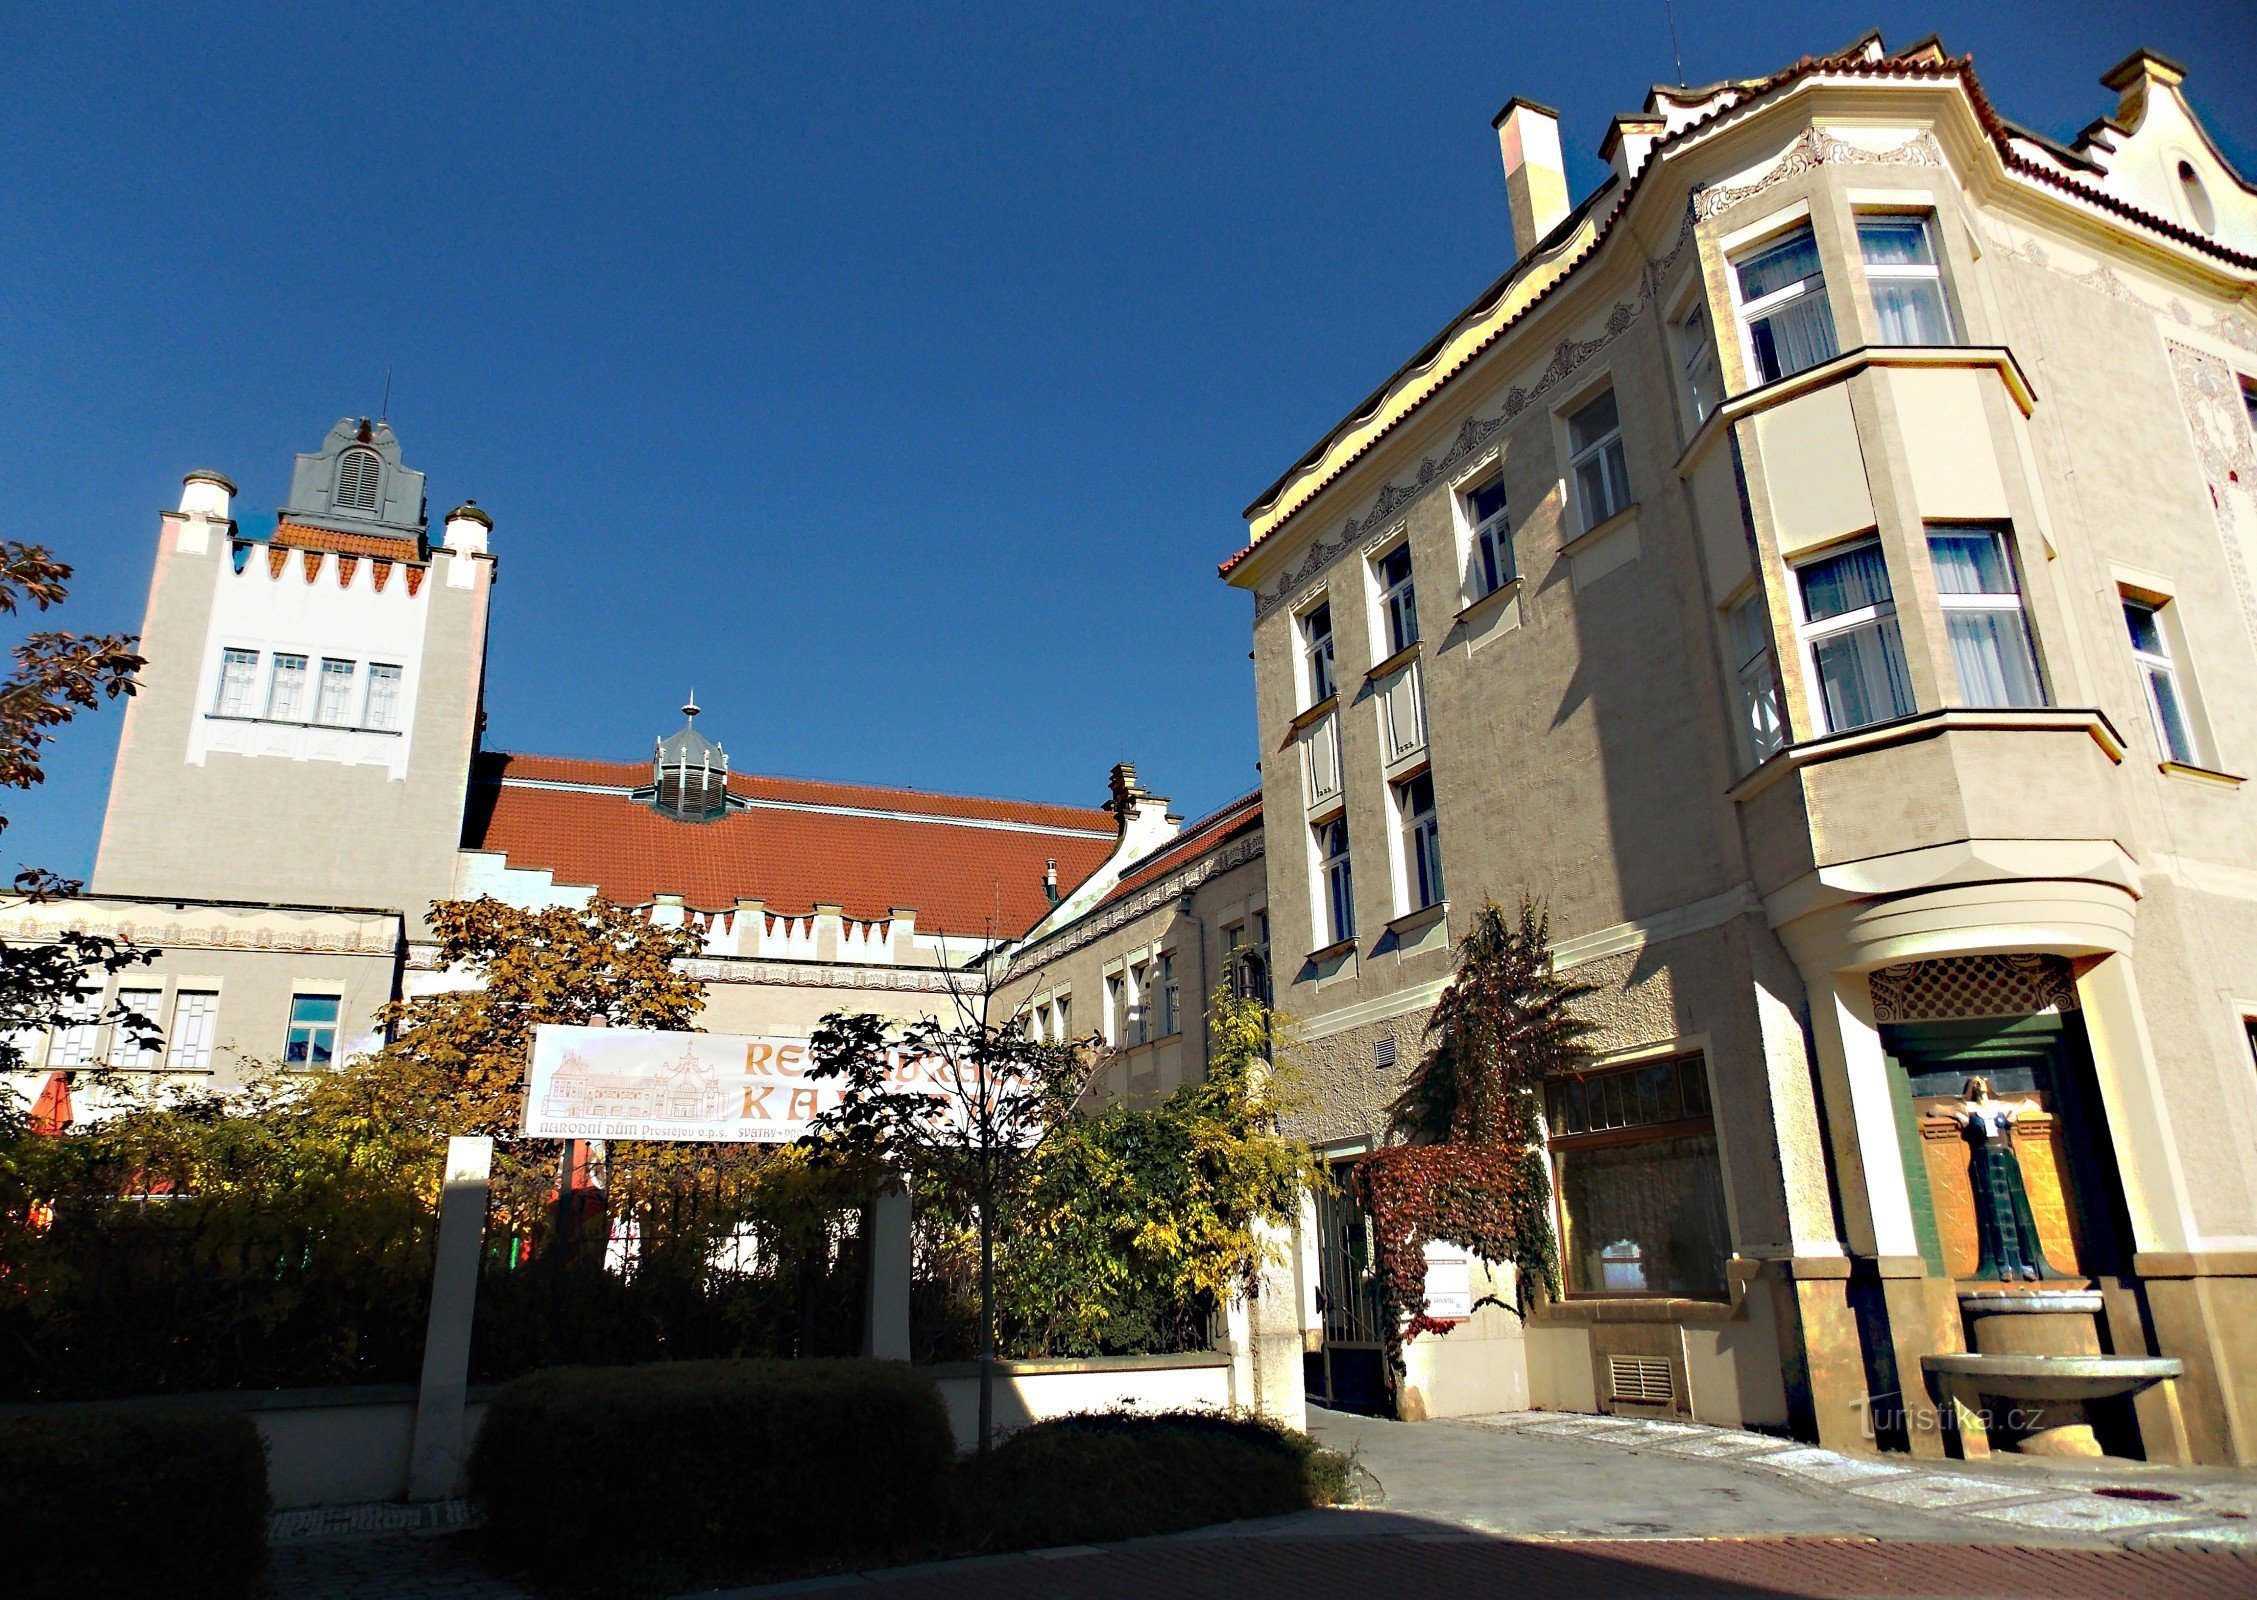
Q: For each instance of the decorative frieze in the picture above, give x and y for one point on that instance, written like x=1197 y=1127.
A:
x=1813 y=148
x=184 y=936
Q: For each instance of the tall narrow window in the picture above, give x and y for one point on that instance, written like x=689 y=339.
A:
x=1316 y=650
x=360 y=476
x=1116 y=1008
x=1398 y=598
x=1906 y=279
x=79 y=1032
x=1171 y=994
x=1783 y=303
x=1489 y=528
x=1696 y=352
x=383 y=709
x=238 y=683
x=1337 y=879
x=286 y=694
x=2166 y=702
x=312 y=1040
x=125 y=1049
x=1422 y=841
x=1596 y=461
x=335 y=705
x=1849 y=625
x=195 y=1023
x=1139 y=1004
x=1982 y=606
x=1062 y=1018
x=1761 y=707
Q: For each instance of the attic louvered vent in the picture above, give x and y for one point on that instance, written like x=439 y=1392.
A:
x=1646 y=1379
x=359 y=477
x=1383 y=1053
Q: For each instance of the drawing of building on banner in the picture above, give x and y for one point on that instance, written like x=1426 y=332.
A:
x=684 y=1090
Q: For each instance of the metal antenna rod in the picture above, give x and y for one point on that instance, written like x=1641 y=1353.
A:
x=384 y=411
x=1675 y=51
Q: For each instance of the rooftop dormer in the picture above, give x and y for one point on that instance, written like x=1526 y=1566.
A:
x=357 y=483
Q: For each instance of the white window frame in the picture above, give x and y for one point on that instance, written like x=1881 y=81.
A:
x=1700 y=370
x=1170 y=995
x=237 y=696
x=194 y=1032
x=338 y=675
x=335 y=1027
x=1750 y=312
x=2166 y=664
x=1307 y=670
x=1757 y=673
x=1931 y=272
x=1607 y=452
x=1116 y=1007
x=1409 y=827
x=123 y=1053
x=1398 y=598
x=2013 y=603
x=74 y=1039
x=291 y=663
x=1808 y=634
x=1487 y=541
x=1335 y=882
x=388 y=715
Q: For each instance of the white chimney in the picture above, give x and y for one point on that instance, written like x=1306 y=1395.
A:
x=468 y=529
x=207 y=494
x=1535 y=171
x=1629 y=141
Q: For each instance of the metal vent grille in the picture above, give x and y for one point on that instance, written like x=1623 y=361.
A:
x=1383 y=1053
x=1643 y=1378
x=358 y=476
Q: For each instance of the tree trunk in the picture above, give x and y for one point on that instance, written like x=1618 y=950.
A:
x=987 y=1318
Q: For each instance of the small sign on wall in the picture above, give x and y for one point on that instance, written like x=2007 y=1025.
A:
x=1449 y=1282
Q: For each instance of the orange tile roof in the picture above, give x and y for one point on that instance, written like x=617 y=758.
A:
x=297 y=536
x=965 y=865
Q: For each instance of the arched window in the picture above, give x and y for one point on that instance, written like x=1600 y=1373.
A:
x=360 y=475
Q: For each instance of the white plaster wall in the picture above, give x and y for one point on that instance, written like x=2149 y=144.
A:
x=252 y=610
x=1035 y=1391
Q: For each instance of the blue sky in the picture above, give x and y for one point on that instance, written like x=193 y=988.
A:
x=894 y=376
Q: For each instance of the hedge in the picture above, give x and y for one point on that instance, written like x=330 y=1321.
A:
x=696 y=1464
x=1115 y=1475
x=101 y=1502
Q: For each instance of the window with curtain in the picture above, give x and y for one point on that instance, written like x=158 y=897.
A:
x=1983 y=618
x=286 y=691
x=2159 y=674
x=383 y=710
x=1488 y=522
x=334 y=706
x=1316 y=650
x=1761 y=707
x=1641 y=1190
x=1337 y=878
x=1849 y=627
x=1906 y=279
x=238 y=683
x=1596 y=461
x=1398 y=598
x=1422 y=841
x=1783 y=305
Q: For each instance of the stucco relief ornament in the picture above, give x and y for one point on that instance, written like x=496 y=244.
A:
x=2211 y=396
x=1814 y=147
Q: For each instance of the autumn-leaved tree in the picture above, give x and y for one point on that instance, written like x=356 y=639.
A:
x=463 y=1053
x=1470 y=1172
x=55 y=676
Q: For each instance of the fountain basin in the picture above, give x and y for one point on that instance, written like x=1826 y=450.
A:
x=2054 y=1377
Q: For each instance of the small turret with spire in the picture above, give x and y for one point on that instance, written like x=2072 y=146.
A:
x=690 y=772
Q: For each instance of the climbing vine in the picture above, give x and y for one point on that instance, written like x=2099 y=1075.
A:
x=1467 y=1170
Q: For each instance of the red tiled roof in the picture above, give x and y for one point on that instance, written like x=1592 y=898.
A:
x=297 y=536
x=1925 y=60
x=959 y=871
x=1218 y=828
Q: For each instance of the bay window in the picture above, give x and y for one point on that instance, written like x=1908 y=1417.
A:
x=1641 y=1189
x=1783 y=306
x=1983 y=620
x=1848 y=627
x=1905 y=278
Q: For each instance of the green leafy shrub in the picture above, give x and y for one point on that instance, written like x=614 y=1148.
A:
x=1115 y=1475
x=98 y=1503
x=697 y=1465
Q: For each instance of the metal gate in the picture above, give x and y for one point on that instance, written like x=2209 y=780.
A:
x=1350 y=1372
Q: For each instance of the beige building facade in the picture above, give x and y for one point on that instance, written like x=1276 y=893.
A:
x=1821 y=572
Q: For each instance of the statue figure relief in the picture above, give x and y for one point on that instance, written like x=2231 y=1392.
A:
x=2003 y=1222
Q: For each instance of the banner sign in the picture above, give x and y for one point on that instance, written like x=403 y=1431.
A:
x=693 y=1088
